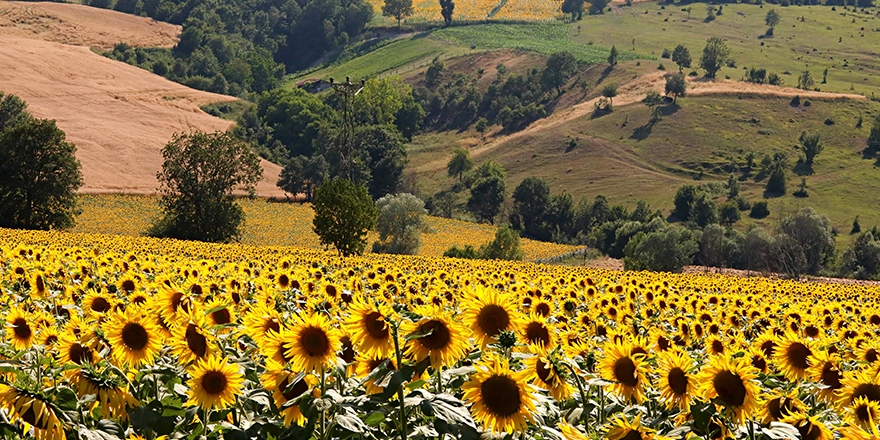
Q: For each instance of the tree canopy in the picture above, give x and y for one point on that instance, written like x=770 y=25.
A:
x=344 y=213
x=715 y=54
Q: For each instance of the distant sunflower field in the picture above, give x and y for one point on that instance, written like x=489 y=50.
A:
x=475 y=10
x=114 y=337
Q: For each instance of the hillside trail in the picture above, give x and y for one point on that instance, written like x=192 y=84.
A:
x=633 y=92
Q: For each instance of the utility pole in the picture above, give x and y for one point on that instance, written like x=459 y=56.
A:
x=347 y=91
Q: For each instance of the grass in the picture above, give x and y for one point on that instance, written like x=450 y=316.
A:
x=825 y=39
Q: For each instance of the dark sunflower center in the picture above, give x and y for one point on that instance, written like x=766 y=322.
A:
x=178 y=302
x=30 y=417
x=543 y=309
x=221 y=316
x=638 y=350
x=501 y=396
x=730 y=388
x=214 y=382
x=22 y=328
x=128 y=285
x=41 y=287
x=196 y=342
x=798 y=354
x=867 y=390
x=678 y=381
x=768 y=347
x=625 y=372
x=271 y=324
x=375 y=325
x=537 y=333
x=773 y=407
x=492 y=319
x=831 y=377
x=79 y=354
x=545 y=372
x=717 y=346
x=863 y=413
x=283 y=281
x=809 y=431
x=290 y=393
x=871 y=355
x=134 y=336
x=632 y=435
x=759 y=362
x=51 y=340
x=347 y=353
x=439 y=337
x=314 y=341
x=100 y=305
x=663 y=343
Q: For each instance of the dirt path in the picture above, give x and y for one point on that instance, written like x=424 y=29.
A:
x=118 y=116
x=633 y=92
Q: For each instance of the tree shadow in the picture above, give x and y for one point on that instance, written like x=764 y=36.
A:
x=772 y=195
x=642 y=132
x=803 y=169
x=604 y=75
x=669 y=109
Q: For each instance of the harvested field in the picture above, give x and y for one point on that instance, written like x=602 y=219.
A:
x=119 y=116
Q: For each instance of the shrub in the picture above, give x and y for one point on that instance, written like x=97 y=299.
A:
x=505 y=246
x=400 y=224
x=759 y=210
x=466 y=252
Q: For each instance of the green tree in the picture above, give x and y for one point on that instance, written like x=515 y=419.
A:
x=772 y=19
x=487 y=196
x=460 y=163
x=676 y=86
x=682 y=57
x=400 y=224
x=389 y=101
x=811 y=146
x=560 y=67
x=776 y=183
x=733 y=187
x=290 y=118
x=530 y=202
x=684 y=201
x=399 y=9
x=874 y=136
x=811 y=236
x=12 y=111
x=715 y=54
x=447 y=8
x=505 y=246
x=668 y=250
x=610 y=91
x=382 y=158
x=653 y=101
x=805 y=81
x=729 y=214
x=573 y=7
x=612 y=57
x=344 y=214
x=199 y=174
x=598 y=6
x=704 y=212
x=302 y=175
x=39 y=173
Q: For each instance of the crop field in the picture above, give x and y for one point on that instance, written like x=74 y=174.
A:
x=476 y=10
x=124 y=337
x=287 y=224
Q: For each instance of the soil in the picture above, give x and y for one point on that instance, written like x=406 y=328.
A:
x=119 y=116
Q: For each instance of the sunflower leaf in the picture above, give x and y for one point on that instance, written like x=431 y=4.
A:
x=351 y=422
x=779 y=430
x=374 y=419
x=419 y=333
x=65 y=399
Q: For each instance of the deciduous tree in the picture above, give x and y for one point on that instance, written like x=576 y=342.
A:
x=399 y=9
x=344 y=213
x=715 y=54
x=682 y=57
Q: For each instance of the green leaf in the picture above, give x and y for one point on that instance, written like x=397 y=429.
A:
x=65 y=399
x=374 y=419
x=350 y=422
x=416 y=384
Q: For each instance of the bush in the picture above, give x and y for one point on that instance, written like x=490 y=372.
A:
x=668 y=250
x=666 y=54
x=466 y=252
x=505 y=246
x=759 y=210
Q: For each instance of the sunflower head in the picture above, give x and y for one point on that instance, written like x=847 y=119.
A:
x=625 y=370
x=214 y=383
x=501 y=399
x=311 y=343
x=439 y=337
x=134 y=337
x=677 y=382
x=489 y=312
x=730 y=384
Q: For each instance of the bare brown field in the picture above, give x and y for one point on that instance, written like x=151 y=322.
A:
x=119 y=116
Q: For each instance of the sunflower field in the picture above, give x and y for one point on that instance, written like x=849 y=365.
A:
x=114 y=337
x=475 y=10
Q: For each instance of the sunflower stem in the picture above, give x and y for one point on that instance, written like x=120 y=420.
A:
x=577 y=380
x=751 y=430
x=399 y=356
x=323 y=392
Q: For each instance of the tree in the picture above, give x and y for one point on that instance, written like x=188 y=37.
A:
x=487 y=195
x=729 y=214
x=460 y=163
x=682 y=57
x=39 y=172
x=776 y=182
x=530 y=202
x=805 y=81
x=344 y=213
x=447 y=7
x=302 y=175
x=653 y=101
x=874 y=137
x=733 y=187
x=598 y=6
x=12 y=111
x=715 y=54
x=560 y=67
x=383 y=154
x=772 y=19
x=399 y=9
x=676 y=86
x=612 y=57
x=703 y=212
x=505 y=246
x=667 y=250
x=811 y=146
x=573 y=7
x=610 y=91
x=811 y=235
x=684 y=202
x=198 y=177
x=400 y=224
x=389 y=101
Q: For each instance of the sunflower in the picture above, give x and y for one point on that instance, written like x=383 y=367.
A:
x=112 y=396
x=280 y=381
x=501 y=399
x=39 y=289
x=793 y=356
x=626 y=370
x=171 y=300
x=779 y=405
x=623 y=429
x=19 y=329
x=33 y=410
x=220 y=313
x=71 y=350
x=825 y=370
x=546 y=376
x=369 y=328
x=758 y=360
x=571 y=433
x=311 y=343
x=260 y=322
x=443 y=339
x=98 y=304
x=273 y=348
x=677 y=384
x=488 y=313
x=730 y=383
x=865 y=413
x=862 y=383
x=810 y=428
x=535 y=332
x=214 y=383
x=191 y=340
x=366 y=366
x=134 y=338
